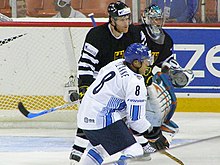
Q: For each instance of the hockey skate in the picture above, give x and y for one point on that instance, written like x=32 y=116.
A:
x=149 y=149
x=75 y=157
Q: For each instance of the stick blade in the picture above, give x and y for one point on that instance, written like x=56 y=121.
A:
x=22 y=109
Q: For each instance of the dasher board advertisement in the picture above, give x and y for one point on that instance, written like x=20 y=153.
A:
x=198 y=49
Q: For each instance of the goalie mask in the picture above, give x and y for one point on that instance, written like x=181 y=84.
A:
x=153 y=19
x=181 y=78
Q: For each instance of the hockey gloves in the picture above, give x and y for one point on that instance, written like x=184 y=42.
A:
x=148 y=76
x=82 y=91
x=156 y=139
x=74 y=96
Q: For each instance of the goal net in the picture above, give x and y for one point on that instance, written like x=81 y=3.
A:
x=36 y=62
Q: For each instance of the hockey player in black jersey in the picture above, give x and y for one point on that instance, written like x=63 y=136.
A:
x=103 y=44
x=158 y=40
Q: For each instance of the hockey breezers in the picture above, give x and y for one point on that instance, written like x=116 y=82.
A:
x=30 y=115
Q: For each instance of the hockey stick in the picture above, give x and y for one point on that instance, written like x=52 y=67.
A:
x=178 y=160
x=31 y=115
x=165 y=152
x=172 y=157
x=4 y=18
x=91 y=15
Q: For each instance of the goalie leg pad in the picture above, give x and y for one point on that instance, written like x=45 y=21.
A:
x=169 y=130
x=170 y=127
x=167 y=101
x=165 y=80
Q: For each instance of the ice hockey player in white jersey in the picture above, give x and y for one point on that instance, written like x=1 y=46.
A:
x=118 y=92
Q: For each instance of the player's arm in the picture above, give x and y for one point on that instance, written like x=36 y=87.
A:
x=136 y=108
x=142 y=127
x=136 y=104
x=87 y=62
x=138 y=34
x=166 y=56
x=180 y=77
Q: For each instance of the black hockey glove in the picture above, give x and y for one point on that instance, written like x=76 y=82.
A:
x=74 y=96
x=148 y=76
x=82 y=91
x=156 y=139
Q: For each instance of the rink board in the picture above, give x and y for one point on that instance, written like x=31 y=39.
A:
x=194 y=48
x=198 y=105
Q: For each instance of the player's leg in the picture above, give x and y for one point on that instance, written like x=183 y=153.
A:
x=93 y=155
x=168 y=107
x=113 y=138
x=79 y=146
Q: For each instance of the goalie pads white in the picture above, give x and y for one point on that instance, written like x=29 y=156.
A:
x=158 y=108
x=153 y=107
x=167 y=100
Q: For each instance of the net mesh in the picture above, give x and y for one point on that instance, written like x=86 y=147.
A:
x=35 y=65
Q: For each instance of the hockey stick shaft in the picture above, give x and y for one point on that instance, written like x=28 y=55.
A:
x=31 y=115
x=172 y=157
x=91 y=15
x=4 y=18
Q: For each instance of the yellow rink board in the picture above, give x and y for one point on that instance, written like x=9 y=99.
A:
x=47 y=102
x=198 y=105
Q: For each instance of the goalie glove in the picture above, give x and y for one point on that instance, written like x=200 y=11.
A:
x=181 y=77
x=156 y=139
x=172 y=63
x=148 y=76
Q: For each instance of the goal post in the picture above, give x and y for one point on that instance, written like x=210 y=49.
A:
x=36 y=61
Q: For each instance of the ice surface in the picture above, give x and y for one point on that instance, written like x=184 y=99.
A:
x=49 y=146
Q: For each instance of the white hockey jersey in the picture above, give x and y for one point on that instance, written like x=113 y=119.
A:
x=117 y=92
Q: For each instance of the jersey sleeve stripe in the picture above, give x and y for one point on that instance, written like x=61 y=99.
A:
x=143 y=38
x=80 y=72
x=86 y=56
x=83 y=65
x=135 y=112
x=109 y=119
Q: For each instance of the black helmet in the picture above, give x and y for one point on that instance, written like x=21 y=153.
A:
x=118 y=9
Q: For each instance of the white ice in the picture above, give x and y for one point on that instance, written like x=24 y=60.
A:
x=23 y=144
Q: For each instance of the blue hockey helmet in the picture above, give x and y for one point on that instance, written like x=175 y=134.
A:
x=138 y=51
